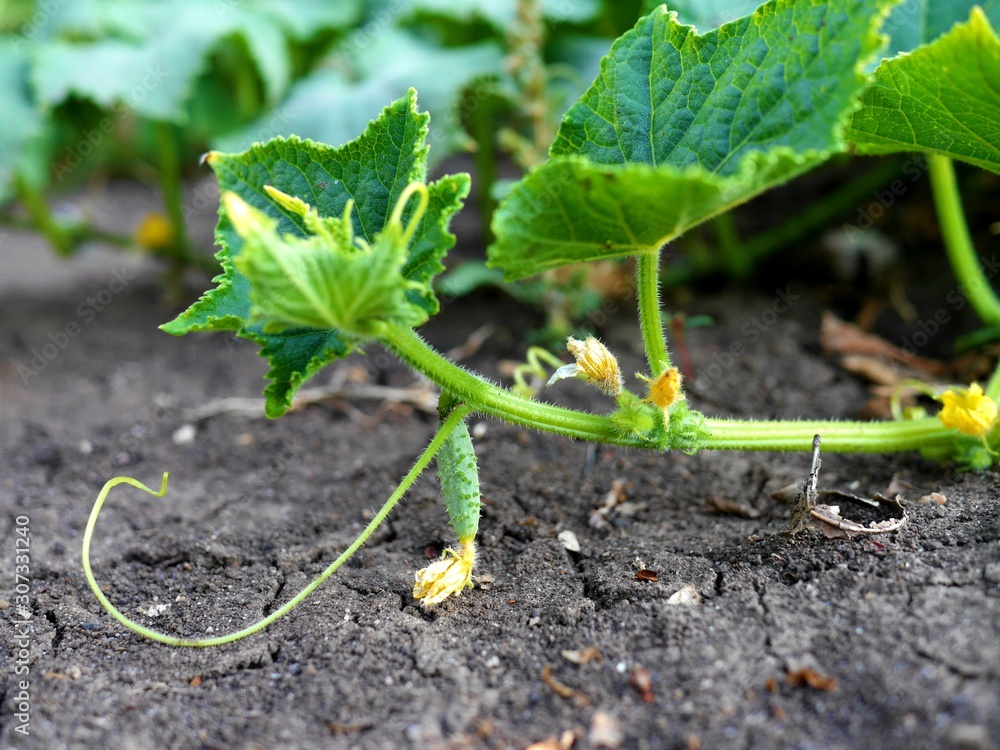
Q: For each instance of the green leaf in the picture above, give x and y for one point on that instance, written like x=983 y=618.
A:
x=914 y=23
x=702 y=122
x=941 y=98
x=373 y=170
x=22 y=122
x=711 y=14
x=501 y=14
x=149 y=55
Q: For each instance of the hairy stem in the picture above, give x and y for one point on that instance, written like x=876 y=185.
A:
x=726 y=434
x=838 y=437
x=958 y=242
x=173 y=197
x=487 y=398
x=650 y=320
x=447 y=427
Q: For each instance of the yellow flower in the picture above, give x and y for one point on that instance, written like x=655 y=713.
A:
x=155 y=232
x=594 y=363
x=665 y=390
x=448 y=576
x=968 y=410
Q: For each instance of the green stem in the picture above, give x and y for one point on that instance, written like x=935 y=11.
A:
x=173 y=194
x=734 y=256
x=993 y=386
x=820 y=213
x=44 y=220
x=696 y=262
x=958 y=242
x=838 y=437
x=650 y=320
x=487 y=398
x=450 y=424
x=725 y=434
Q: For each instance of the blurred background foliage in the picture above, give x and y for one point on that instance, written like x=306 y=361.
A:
x=93 y=89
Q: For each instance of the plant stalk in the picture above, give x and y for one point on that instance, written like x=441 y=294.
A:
x=726 y=434
x=958 y=242
x=650 y=320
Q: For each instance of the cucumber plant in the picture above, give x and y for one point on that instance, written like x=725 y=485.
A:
x=325 y=250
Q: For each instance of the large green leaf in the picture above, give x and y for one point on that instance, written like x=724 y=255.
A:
x=373 y=170
x=942 y=98
x=722 y=115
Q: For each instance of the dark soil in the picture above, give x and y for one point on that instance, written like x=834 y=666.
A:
x=907 y=624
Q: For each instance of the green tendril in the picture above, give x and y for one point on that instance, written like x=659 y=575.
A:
x=454 y=419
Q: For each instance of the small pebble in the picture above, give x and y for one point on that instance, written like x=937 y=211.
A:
x=184 y=434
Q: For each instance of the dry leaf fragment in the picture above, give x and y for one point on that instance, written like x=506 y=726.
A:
x=550 y=743
x=688 y=595
x=606 y=731
x=839 y=337
x=642 y=681
x=643 y=574
x=811 y=678
x=585 y=656
x=615 y=496
x=195 y=681
x=565 y=741
x=569 y=541
x=935 y=497
x=563 y=691
x=731 y=507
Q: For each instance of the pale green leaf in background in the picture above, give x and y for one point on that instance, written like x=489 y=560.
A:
x=148 y=55
x=335 y=103
x=22 y=122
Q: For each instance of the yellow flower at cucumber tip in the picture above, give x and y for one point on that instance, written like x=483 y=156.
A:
x=968 y=410
x=449 y=576
x=594 y=363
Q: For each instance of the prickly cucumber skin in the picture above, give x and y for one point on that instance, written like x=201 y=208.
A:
x=459 y=473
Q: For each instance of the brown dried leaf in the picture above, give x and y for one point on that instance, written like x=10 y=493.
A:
x=807 y=677
x=641 y=680
x=839 y=337
x=731 y=507
x=584 y=656
x=650 y=576
x=563 y=691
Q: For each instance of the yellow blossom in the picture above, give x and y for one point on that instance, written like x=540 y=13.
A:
x=665 y=389
x=968 y=410
x=448 y=576
x=594 y=363
x=155 y=232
